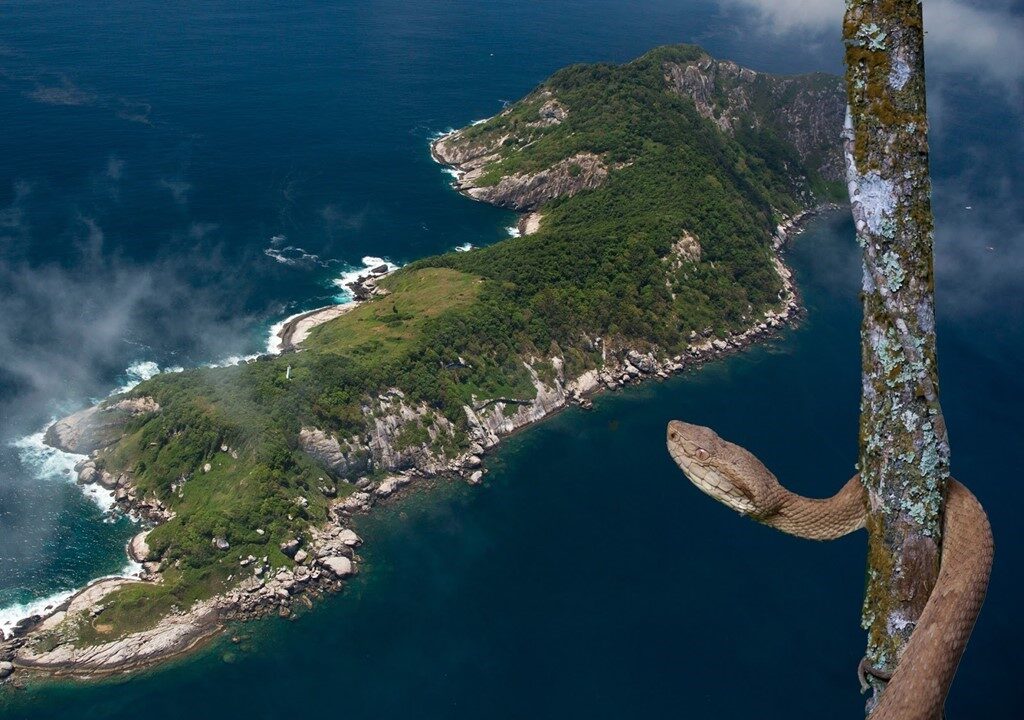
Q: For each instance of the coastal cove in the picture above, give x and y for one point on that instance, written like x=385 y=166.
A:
x=229 y=195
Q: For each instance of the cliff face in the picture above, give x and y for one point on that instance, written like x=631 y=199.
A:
x=804 y=113
x=804 y=110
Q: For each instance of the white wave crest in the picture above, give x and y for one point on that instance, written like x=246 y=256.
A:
x=438 y=134
x=13 y=614
x=235 y=359
x=140 y=371
x=464 y=247
x=50 y=464
x=45 y=606
x=513 y=231
x=352 y=274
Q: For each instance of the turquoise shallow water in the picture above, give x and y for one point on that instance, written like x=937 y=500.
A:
x=152 y=155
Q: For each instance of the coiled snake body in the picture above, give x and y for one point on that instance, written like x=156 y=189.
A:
x=918 y=687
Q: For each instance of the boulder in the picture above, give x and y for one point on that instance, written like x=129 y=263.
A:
x=386 y=487
x=340 y=565
x=301 y=556
x=290 y=547
x=348 y=537
x=138 y=549
x=6 y=668
x=476 y=478
x=220 y=543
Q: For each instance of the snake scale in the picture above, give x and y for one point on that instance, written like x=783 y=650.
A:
x=917 y=688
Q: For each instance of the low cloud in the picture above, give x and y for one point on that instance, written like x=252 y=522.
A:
x=115 y=167
x=979 y=39
x=67 y=329
x=66 y=93
x=179 y=189
x=12 y=216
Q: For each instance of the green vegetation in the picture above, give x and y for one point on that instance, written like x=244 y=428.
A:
x=459 y=328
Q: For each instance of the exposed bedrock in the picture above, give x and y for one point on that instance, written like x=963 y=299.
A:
x=96 y=427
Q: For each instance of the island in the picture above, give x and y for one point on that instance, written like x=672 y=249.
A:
x=656 y=197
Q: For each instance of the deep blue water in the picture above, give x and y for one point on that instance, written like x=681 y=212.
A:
x=153 y=151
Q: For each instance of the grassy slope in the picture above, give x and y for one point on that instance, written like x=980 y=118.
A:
x=595 y=268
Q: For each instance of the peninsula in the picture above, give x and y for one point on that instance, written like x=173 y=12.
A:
x=655 y=195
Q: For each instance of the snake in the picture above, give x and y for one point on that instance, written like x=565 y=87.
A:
x=917 y=687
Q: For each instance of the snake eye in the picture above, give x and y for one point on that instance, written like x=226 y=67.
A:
x=702 y=454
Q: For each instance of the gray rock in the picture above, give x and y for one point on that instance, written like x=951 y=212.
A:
x=138 y=548
x=301 y=556
x=6 y=668
x=340 y=565
x=348 y=537
x=290 y=547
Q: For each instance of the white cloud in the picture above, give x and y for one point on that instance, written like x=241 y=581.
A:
x=962 y=37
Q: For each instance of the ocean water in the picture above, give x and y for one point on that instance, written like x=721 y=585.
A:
x=178 y=178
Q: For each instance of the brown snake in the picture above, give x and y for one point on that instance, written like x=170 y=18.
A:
x=918 y=687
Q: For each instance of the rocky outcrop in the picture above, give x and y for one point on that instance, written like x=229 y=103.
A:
x=472 y=154
x=684 y=250
x=522 y=192
x=488 y=422
x=392 y=442
x=174 y=634
x=342 y=458
x=552 y=112
x=98 y=426
x=138 y=548
x=392 y=424
x=527 y=192
x=805 y=110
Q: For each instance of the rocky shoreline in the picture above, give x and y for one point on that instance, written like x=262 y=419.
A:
x=327 y=557
x=297 y=329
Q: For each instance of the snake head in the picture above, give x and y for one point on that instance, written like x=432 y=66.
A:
x=725 y=471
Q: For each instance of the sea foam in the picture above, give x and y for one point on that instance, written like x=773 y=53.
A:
x=349 y=275
x=352 y=273
x=15 y=613
x=140 y=371
x=50 y=464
